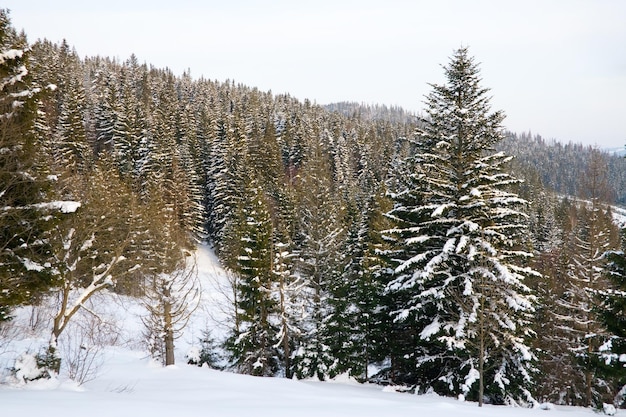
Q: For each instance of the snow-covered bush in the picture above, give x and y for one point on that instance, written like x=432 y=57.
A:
x=206 y=353
x=31 y=367
x=26 y=368
x=608 y=409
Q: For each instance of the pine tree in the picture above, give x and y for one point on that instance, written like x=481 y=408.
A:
x=461 y=259
x=554 y=365
x=354 y=321
x=106 y=108
x=254 y=346
x=287 y=287
x=320 y=239
x=131 y=131
x=22 y=219
x=613 y=316
x=70 y=148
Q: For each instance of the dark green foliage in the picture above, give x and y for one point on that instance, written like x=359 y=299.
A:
x=49 y=362
x=559 y=166
x=459 y=248
x=22 y=219
x=43 y=365
x=253 y=346
x=208 y=354
x=612 y=311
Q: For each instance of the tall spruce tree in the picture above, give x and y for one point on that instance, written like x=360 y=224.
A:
x=320 y=237
x=613 y=316
x=254 y=347
x=461 y=258
x=22 y=223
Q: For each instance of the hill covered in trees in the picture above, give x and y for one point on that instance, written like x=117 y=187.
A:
x=353 y=234
x=562 y=167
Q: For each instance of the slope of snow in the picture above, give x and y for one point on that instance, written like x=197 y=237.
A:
x=619 y=216
x=131 y=385
x=128 y=383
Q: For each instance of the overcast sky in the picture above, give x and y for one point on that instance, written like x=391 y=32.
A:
x=556 y=67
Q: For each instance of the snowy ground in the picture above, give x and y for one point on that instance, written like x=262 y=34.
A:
x=132 y=386
x=127 y=383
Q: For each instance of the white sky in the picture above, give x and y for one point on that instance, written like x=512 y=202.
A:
x=556 y=67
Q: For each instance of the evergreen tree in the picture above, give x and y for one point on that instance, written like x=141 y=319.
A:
x=254 y=346
x=461 y=260
x=22 y=217
x=217 y=189
x=287 y=287
x=613 y=315
x=320 y=239
x=70 y=149
x=105 y=108
x=354 y=322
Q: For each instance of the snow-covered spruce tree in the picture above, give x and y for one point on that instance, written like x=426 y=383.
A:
x=554 y=362
x=22 y=222
x=104 y=91
x=287 y=288
x=613 y=315
x=320 y=235
x=253 y=345
x=354 y=322
x=131 y=134
x=460 y=240
x=320 y=238
x=70 y=148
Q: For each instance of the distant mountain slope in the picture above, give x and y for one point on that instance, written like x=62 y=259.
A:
x=561 y=166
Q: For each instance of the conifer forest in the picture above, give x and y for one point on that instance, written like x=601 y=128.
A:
x=437 y=251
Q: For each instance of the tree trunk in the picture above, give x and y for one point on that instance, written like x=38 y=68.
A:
x=481 y=343
x=284 y=324
x=481 y=360
x=169 y=331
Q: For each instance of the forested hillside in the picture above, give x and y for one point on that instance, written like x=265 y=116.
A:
x=353 y=235
x=561 y=167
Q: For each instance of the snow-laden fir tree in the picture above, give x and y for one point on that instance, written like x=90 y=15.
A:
x=576 y=313
x=22 y=223
x=287 y=288
x=613 y=316
x=70 y=148
x=321 y=236
x=356 y=330
x=460 y=239
x=253 y=345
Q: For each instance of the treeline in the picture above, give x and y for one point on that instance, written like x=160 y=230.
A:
x=354 y=235
x=561 y=167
